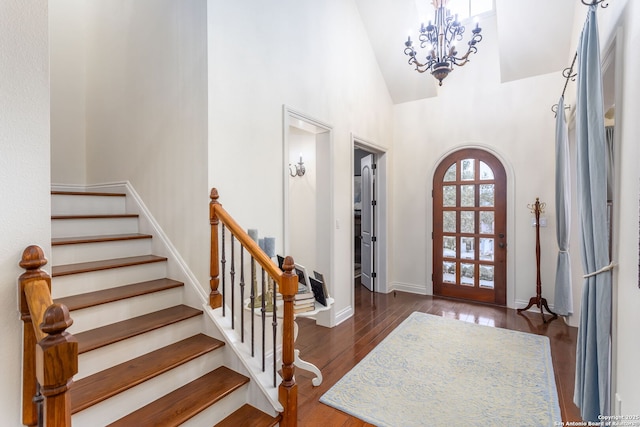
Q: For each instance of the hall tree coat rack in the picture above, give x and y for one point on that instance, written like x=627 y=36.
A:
x=537 y=208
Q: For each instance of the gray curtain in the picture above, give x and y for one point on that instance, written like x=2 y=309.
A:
x=594 y=331
x=563 y=300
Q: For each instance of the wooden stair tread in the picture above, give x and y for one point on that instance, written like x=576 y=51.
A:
x=92 y=299
x=86 y=193
x=57 y=241
x=85 y=267
x=249 y=416
x=102 y=385
x=187 y=401
x=94 y=216
x=109 y=334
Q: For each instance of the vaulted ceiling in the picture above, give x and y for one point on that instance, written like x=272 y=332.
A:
x=534 y=37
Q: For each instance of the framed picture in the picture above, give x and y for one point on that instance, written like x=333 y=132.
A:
x=303 y=277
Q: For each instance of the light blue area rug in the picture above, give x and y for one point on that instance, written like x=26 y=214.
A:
x=434 y=371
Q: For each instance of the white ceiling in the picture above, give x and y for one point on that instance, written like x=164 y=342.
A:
x=533 y=37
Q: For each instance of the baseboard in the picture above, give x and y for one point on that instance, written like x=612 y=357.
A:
x=407 y=287
x=343 y=315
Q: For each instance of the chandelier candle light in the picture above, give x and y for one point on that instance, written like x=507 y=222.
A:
x=439 y=39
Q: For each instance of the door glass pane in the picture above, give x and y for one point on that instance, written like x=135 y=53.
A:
x=468 y=169
x=486 y=276
x=485 y=171
x=486 y=249
x=449 y=272
x=467 y=274
x=467 y=250
x=487 y=220
x=467 y=222
x=449 y=222
x=449 y=246
x=487 y=194
x=467 y=195
x=449 y=196
x=450 y=175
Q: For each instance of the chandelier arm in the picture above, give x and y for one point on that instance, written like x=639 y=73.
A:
x=420 y=67
x=464 y=58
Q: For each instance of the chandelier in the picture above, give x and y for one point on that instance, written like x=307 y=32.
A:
x=439 y=40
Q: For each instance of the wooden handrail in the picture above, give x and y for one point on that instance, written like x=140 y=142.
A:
x=38 y=297
x=287 y=282
x=50 y=355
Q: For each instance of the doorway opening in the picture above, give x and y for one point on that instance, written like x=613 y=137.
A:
x=369 y=216
x=308 y=208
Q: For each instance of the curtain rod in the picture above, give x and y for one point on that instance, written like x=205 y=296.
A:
x=595 y=2
x=568 y=73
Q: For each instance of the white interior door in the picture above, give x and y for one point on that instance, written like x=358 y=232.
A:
x=367 y=225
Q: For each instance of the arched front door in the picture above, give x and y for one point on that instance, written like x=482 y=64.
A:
x=469 y=227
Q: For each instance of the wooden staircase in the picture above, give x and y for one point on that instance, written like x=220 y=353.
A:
x=147 y=357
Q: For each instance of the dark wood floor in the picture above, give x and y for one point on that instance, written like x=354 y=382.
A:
x=336 y=350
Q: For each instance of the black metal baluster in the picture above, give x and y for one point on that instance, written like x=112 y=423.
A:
x=232 y=275
x=253 y=306
x=274 y=324
x=223 y=262
x=264 y=321
x=241 y=293
x=38 y=399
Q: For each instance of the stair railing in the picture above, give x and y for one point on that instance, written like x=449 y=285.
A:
x=50 y=355
x=265 y=304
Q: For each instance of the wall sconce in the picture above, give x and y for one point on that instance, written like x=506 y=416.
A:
x=299 y=168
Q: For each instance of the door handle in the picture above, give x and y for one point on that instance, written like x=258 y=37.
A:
x=501 y=244
x=501 y=235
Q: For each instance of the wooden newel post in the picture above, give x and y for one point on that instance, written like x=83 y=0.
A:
x=215 y=297
x=32 y=260
x=288 y=390
x=56 y=364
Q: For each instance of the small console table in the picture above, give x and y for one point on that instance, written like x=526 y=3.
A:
x=297 y=361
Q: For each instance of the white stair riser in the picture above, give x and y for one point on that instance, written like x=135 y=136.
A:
x=222 y=408
x=85 y=252
x=97 y=360
x=93 y=226
x=104 y=314
x=86 y=205
x=128 y=401
x=75 y=284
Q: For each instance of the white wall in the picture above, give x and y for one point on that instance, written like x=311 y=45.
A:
x=25 y=212
x=313 y=57
x=514 y=121
x=67 y=44
x=146 y=110
x=302 y=200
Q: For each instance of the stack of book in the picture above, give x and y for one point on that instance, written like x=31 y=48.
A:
x=304 y=300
